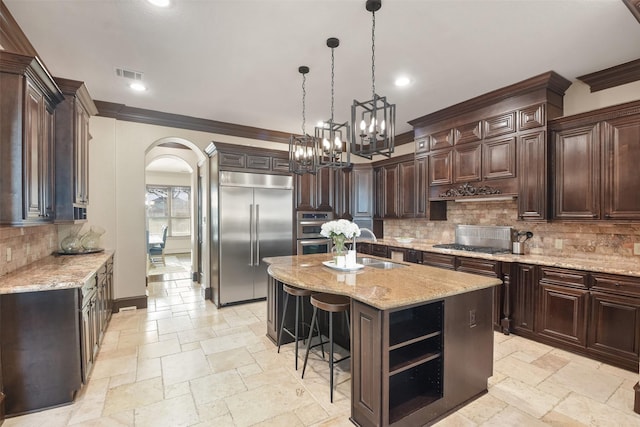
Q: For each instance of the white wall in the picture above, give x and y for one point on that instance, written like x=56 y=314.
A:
x=579 y=99
x=117 y=187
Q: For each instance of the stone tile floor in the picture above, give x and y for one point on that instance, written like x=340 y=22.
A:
x=182 y=362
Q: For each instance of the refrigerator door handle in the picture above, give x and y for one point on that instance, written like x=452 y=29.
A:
x=257 y=235
x=251 y=234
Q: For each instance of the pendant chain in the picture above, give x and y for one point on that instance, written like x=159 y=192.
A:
x=304 y=95
x=373 y=54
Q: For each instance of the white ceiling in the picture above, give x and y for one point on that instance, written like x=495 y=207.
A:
x=237 y=60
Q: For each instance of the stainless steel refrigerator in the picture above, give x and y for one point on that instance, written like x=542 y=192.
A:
x=255 y=221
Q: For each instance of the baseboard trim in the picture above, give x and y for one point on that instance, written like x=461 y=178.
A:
x=636 y=405
x=137 y=302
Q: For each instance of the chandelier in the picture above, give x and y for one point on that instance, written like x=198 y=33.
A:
x=373 y=122
x=302 y=148
x=333 y=138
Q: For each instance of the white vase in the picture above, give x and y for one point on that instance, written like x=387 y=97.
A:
x=341 y=261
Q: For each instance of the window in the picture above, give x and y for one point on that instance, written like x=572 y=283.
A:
x=171 y=206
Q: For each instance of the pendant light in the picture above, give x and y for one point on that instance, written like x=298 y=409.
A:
x=333 y=138
x=373 y=122
x=302 y=148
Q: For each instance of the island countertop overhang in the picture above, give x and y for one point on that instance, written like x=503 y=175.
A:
x=379 y=288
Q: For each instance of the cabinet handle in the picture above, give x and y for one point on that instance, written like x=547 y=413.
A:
x=616 y=284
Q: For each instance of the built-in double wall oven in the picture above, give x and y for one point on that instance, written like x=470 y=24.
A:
x=308 y=237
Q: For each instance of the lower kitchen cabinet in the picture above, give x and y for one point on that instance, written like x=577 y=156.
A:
x=439 y=260
x=522 y=285
x=486 y=267
x=614 y=319
x=49 y=341
x=562 y=306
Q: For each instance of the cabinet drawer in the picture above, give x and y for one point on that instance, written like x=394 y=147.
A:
x=563 y=277
x=259 y=162
x=379 y=250
x=479 y=266
x=232 y=160
x=621 y=285
x=439 y=260
x=278 y=164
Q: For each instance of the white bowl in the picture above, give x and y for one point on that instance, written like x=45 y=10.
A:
x=404 y=239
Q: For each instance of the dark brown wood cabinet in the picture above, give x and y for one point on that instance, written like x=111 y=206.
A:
x=532 y=176
x=441 y=168
x=562 y=306
x=621 y=151
x=595 y=160
x=29 y=97
x=407 y=189
x=343 y=193
x=362 y=181
x=439 y=260
x=391 y=191
x=467 y=162
x=614 y=329
x=576 y=167
x=491 y=268
x=499 y=159
x=523 y=285
x=72 y=151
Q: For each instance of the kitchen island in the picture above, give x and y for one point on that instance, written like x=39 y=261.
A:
x=421 y=337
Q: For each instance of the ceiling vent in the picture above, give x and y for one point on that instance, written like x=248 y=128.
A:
x=129 y=74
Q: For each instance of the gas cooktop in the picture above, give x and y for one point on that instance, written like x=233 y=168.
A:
x=471 y=248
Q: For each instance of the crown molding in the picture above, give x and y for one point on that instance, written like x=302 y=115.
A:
x=634 y=7
x=613 y=76
x=12 y=38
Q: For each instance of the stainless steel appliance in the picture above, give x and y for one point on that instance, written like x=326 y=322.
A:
x=480 y=238
x=308 y=237
x=255 y=221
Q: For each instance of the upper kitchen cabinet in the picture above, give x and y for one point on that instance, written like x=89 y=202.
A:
x=315 y=191
x=362 y=181
x=343 y=193
x=401 y=189
x=29 y=97
x=494 y=145
x=595 y=156
x=72 y=151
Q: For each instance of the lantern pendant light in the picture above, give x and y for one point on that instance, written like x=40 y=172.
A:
x=302 y=148
x=373 y=122
x=333 y=138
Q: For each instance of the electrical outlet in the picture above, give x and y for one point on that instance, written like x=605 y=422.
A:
x=472 y=318
x=636 y=248
x=8 y=254
x=558 y=243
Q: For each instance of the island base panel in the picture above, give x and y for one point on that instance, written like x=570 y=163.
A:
x=441 y=379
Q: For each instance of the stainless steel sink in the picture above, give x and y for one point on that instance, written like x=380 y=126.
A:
x=378 y=263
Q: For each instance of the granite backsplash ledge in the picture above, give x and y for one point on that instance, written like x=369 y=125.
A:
x=26 y=245
x=578 y=240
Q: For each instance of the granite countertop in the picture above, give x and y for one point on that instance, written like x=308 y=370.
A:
x=608 y=265
x=53 y=272
x=383 y=289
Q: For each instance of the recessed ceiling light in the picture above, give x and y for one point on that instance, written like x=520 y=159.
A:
x=138 y=87
x=160 y=3
x=402 y=81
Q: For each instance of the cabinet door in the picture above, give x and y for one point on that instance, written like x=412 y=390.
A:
x=34 y=153
x=523 y=292
x=422 y=187
x=48 y=157
x=467 y=162
x=366 y=349
x=378 y=192
x=362 y=192
x=621 y=160
x=499 y=159
x=391 y=186
x=81 y=154
x=324 y=189
x=86 y=343
x=576 y=172
x=305 y=192
x=439 y=260
x=342 y=191
x=532 y=176
x=562 y=314
x=407 y=189
x=441 y=168
x=615 y=326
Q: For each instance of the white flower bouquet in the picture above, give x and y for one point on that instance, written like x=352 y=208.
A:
x=339 y=231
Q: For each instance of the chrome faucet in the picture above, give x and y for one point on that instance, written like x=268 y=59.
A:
x=373 y=236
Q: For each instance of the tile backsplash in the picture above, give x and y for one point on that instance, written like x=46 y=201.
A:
x=579 y=240
x=25 y=245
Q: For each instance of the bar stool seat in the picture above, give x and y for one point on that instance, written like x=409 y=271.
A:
x=299 y=294
x=330 y=303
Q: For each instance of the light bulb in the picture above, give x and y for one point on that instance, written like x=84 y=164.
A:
x=363 y=125
x=326 y=144
x=382 y=126
x=372 y=125
x=338 y=143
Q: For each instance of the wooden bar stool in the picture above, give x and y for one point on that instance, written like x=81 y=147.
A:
x=331 y=303
x=300 y=294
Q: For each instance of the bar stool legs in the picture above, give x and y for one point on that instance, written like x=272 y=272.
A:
x=299 y=294
x=331 y=304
